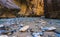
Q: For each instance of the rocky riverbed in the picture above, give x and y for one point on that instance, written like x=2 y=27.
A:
x=35 y=24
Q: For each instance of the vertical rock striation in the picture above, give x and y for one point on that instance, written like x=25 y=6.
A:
x=8 y=7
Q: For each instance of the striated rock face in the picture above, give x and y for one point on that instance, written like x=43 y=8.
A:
x=31 y=7
x=9 y=4
x=8 y=8
x=28 y=8
x=52 y=8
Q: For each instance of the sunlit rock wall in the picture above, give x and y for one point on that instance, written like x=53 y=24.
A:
x=31 y=7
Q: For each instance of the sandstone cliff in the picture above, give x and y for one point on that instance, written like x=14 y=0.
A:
x=28 y=8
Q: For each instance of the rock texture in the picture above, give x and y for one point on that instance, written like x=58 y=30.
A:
x=8 y=8
x=52 y=8
x=30 y=7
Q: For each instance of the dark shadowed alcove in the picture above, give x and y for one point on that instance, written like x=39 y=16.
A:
x=52 y=8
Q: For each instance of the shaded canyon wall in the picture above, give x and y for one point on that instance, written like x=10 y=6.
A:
x=52 y=8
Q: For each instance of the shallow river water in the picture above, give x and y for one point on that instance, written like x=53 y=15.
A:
x=50 y=22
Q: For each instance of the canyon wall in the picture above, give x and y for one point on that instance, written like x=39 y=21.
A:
x=33 y=7
x=28 y=8
x=52 y=8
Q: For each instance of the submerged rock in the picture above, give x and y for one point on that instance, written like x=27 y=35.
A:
x=3 y=36
x=1 y=25
x=38 y=34
x=48 y=28
x=24 y=28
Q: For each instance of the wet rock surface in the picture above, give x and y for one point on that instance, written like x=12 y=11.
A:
x=34 y=23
